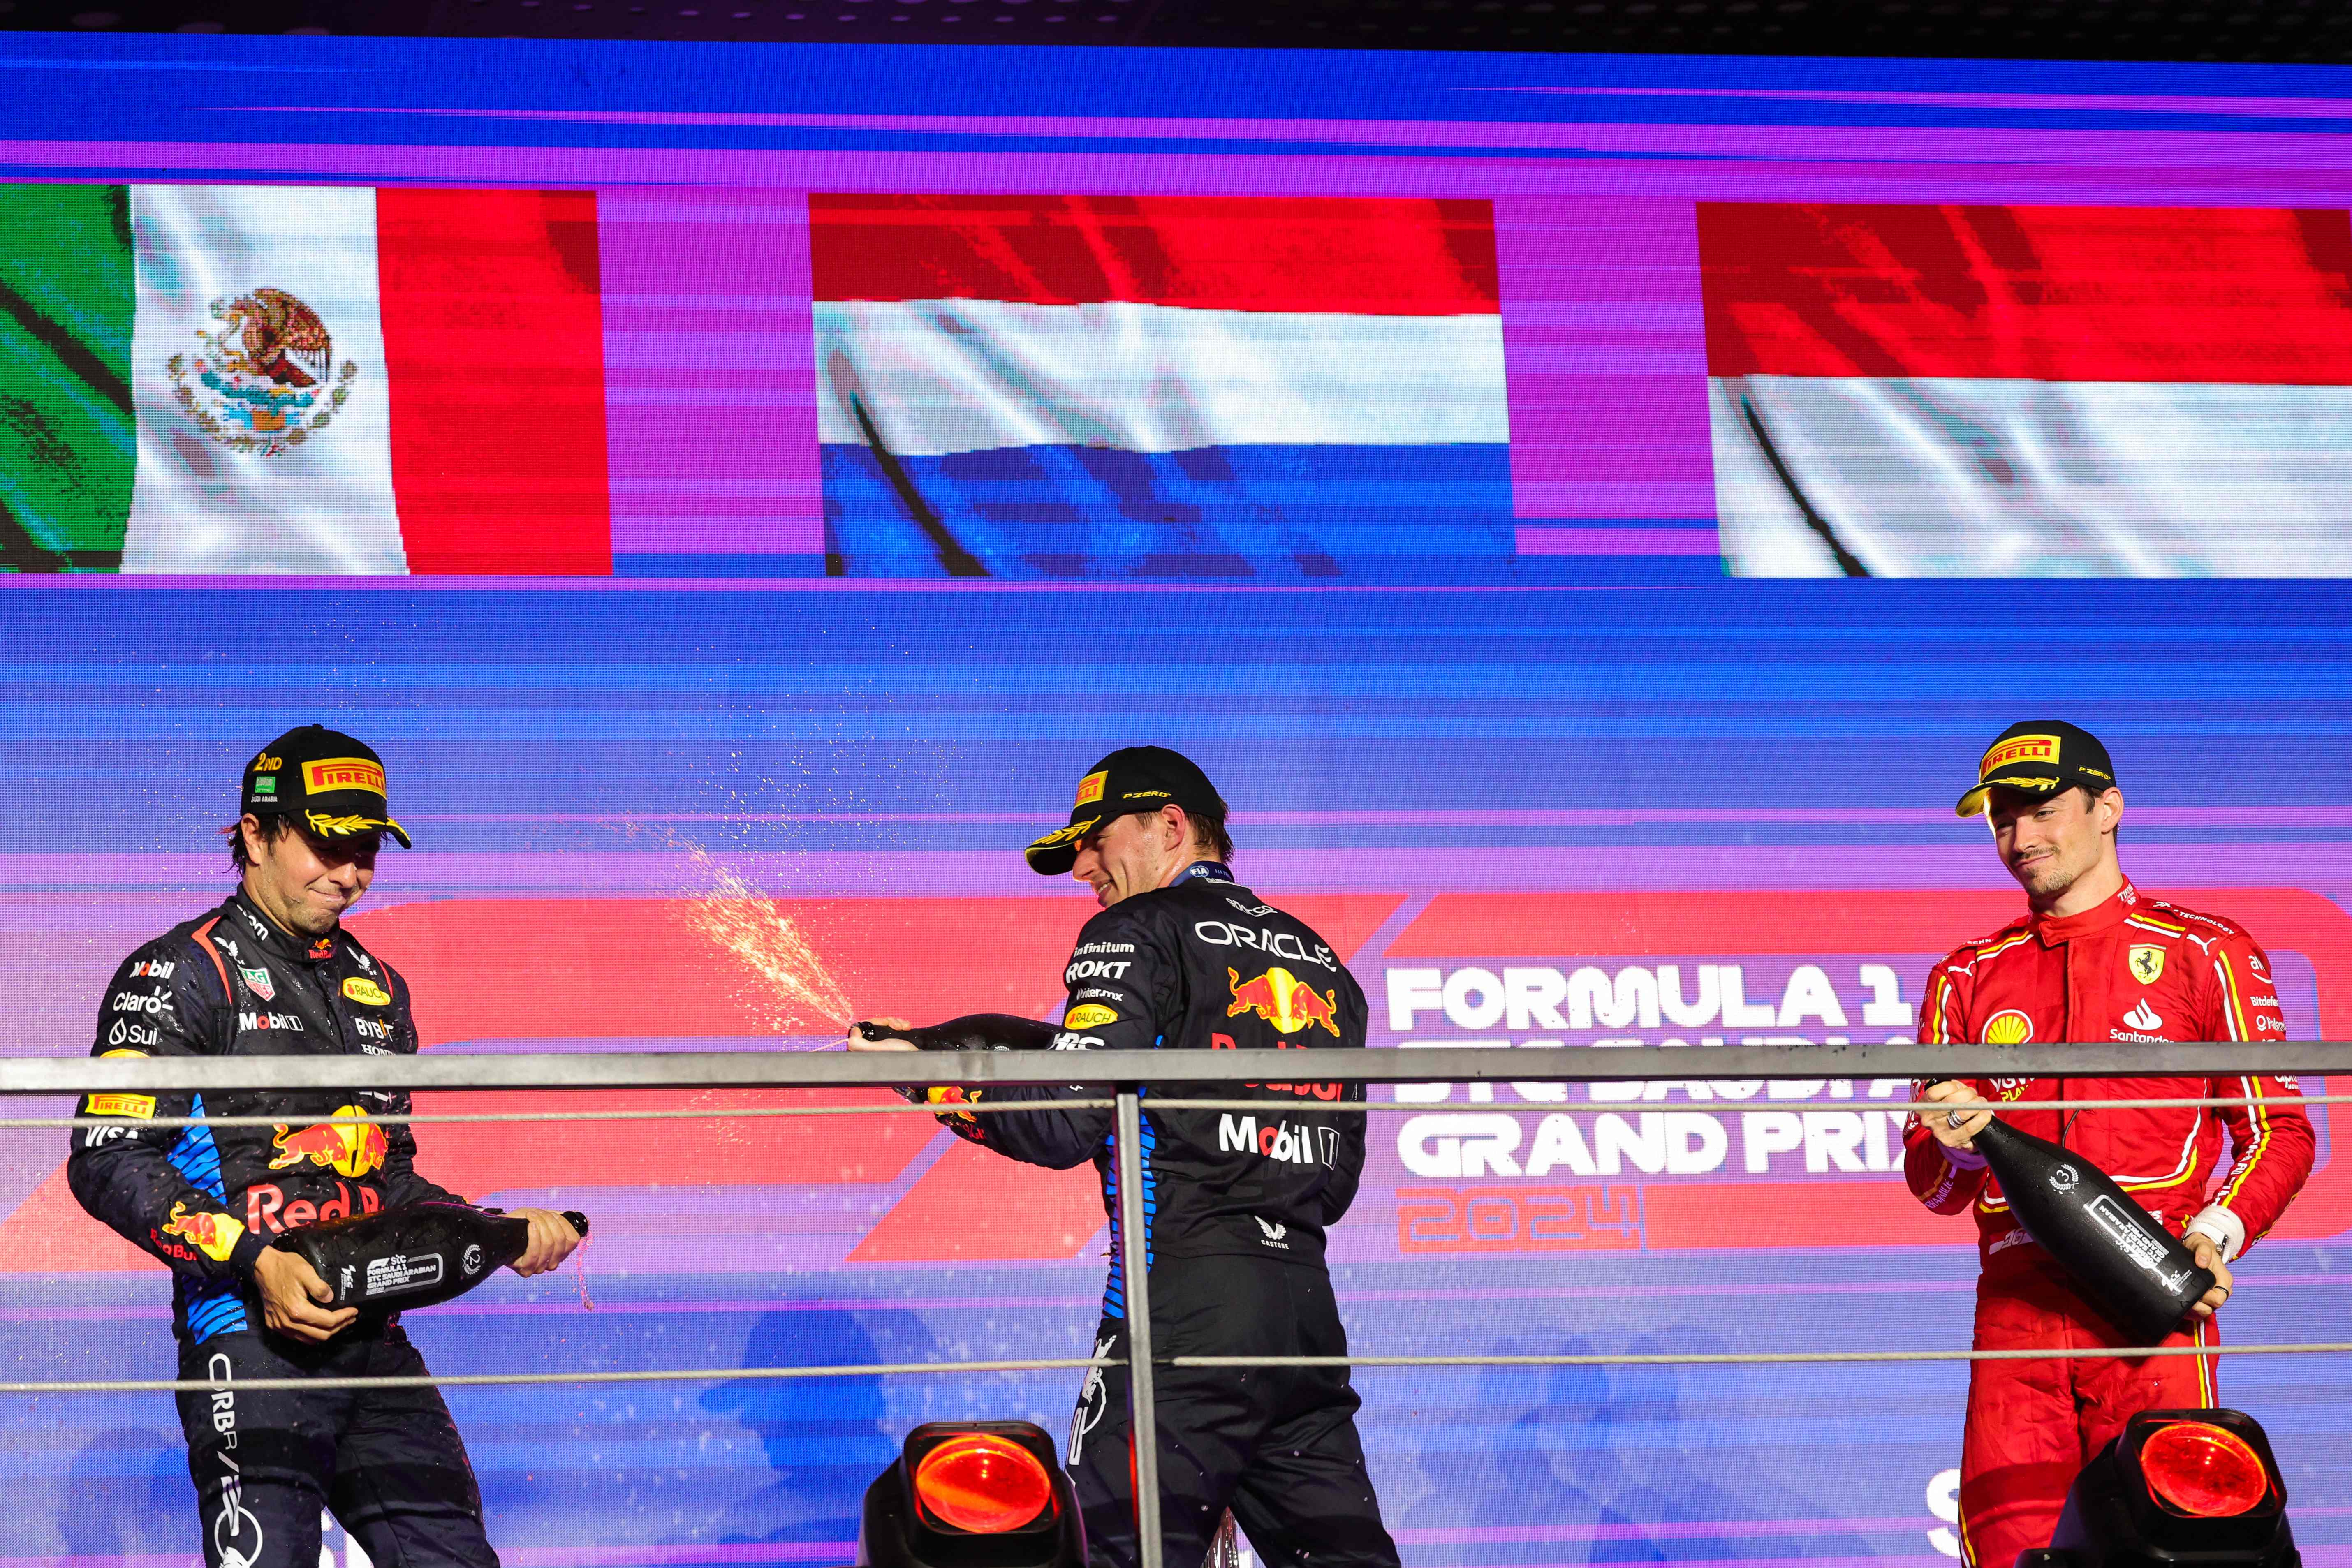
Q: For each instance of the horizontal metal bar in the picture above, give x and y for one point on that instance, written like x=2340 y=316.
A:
x=1727 y=1103
x=710 y=1113
x=1761 y=1357
x=698 y=1114
x=1057 y=1364
x=503 y=1379
x=836 y=1070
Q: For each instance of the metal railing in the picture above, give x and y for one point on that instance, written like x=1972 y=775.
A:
x=844 y=1069
x=1131 y=1075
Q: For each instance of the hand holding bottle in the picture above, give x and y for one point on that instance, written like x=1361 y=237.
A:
x=2124 y=1262
x=553 y=1240
x=861 y=1041
x=1954 y=1128
x=2208 y=1253
x=294 y=1300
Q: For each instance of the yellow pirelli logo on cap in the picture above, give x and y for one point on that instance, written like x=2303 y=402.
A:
x=1090 y=788
x=342 y=773
x=2019 y=749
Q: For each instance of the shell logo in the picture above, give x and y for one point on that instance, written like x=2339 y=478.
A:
x=2008 y=1026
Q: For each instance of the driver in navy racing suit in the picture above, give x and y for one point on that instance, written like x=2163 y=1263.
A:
x=1235 y=1202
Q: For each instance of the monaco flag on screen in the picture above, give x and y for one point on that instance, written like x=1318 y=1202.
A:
x=247 y=378
x=1072 y=386
x=2030 y=391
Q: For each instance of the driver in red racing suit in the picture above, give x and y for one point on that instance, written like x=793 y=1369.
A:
x=2093 y=959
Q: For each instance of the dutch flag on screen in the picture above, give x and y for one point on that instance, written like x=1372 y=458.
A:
x=1102 y=387
x=2030 y=391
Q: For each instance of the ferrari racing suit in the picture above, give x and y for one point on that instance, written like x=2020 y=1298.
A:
x=1236 y=1205
x=207 y=1201
x=2133 y=969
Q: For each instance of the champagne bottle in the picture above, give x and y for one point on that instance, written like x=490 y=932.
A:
x=2128 y=1266
x=414 y=1254
x=973 y=1031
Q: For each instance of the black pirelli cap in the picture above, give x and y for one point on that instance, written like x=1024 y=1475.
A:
x=2037 y=758
x=331 y=783
x=1132 y=778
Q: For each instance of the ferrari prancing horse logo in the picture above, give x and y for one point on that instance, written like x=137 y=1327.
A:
x=2147 y=963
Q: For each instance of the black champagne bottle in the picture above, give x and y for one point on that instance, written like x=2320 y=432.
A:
x=2126 y=1263
x=973 y=1031
x=414 y=1254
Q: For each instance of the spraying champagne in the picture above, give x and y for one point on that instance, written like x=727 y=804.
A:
x=2127 y=1264
x=973 y=1031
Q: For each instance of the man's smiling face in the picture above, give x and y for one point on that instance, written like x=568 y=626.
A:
x=2049 y=842
x=1131 y=854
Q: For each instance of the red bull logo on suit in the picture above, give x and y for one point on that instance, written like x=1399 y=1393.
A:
x=1283 y=1000
x=350 y=1143
x=215 y=1235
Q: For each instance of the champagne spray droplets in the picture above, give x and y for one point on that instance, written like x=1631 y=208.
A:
x=737 y=917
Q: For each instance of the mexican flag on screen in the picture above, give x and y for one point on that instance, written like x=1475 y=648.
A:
x=245 y=379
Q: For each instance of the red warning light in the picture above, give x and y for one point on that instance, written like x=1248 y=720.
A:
x=2202 y=1469
x=984 y=1484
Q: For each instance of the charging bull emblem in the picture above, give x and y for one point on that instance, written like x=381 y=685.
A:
x=214 y=1235
x=1283 y=1000
x=352 y=1144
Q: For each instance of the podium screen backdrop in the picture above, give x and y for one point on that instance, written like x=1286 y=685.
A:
x=1587 y=515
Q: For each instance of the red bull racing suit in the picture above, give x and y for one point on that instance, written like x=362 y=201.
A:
x=207 y=1201
x=1236 y=1205
x=2134 y=968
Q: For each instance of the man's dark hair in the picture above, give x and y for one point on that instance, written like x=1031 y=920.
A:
x=2091 y=798
x=274 y=826
x=1209 y=828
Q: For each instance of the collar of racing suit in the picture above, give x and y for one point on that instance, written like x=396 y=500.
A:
x=1204 y=870
x=2099 y=917
x=281 y=943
